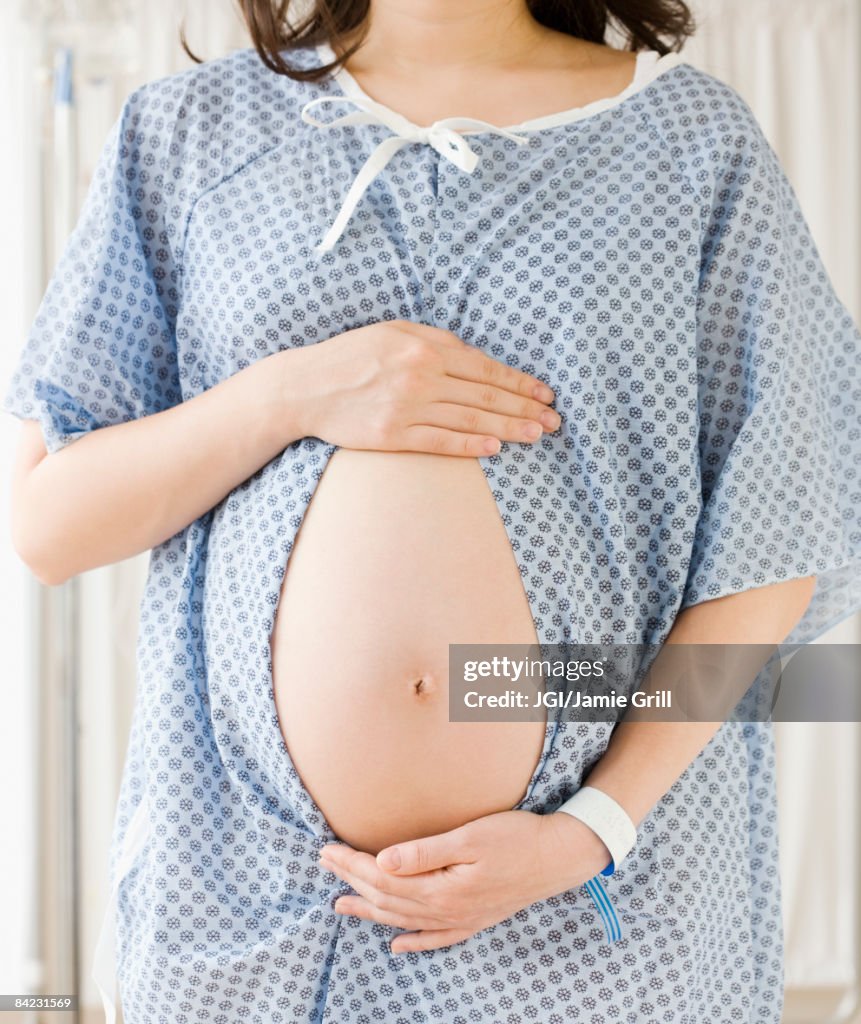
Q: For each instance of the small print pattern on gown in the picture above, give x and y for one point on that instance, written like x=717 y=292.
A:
x=651 y=263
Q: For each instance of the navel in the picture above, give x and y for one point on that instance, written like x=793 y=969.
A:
x=424 y=686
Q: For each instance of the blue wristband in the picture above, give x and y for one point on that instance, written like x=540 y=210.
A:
x=595 y=888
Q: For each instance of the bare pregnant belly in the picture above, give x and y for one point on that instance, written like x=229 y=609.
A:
x=398 y=556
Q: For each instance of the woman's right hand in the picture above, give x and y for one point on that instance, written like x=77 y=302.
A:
x=402 y=386
x=393 y=386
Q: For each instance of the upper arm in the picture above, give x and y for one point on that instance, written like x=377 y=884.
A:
x=31 y=448
x=29 y=452
x=759 y=615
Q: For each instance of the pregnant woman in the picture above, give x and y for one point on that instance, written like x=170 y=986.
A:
x=421 y=323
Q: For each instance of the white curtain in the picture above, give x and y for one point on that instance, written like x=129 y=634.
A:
x=19 y=962
x=797 y=63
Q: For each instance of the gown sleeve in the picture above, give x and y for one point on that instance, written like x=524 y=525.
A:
x=779 y=397
x=102 y=347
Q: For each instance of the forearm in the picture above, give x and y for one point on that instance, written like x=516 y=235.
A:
x=123 y=489
x=644 y=758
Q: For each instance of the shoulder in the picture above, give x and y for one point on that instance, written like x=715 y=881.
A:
x=196 y=127
x=698 y=106
x=705 y=122
x=226 y=99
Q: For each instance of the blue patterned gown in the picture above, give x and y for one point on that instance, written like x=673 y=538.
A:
x=647 y=257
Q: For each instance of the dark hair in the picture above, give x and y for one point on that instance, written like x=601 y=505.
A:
x=661 y=25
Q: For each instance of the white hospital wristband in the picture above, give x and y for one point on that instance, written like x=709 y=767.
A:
x=607 y=819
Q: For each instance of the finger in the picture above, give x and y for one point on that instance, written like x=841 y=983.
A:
x=361 y=907
x=469 y=420
x=436 y=334
x=384 y=890
x=439 y=441
x=431 y=853
x=512 y=380
x=415 y=942
x=498 y=400
x=387 y=903
x=470 y=364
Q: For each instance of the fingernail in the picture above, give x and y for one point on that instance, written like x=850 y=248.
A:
x=552 y=420
x=532 y=431
x=492 y=445
x=390 y=859
x=543 y=393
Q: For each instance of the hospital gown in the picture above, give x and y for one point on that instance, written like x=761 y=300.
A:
x=646 y=256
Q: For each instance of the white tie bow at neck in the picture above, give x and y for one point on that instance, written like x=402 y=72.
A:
x=441 y=135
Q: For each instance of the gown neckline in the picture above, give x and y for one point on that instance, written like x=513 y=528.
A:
x=649 y=65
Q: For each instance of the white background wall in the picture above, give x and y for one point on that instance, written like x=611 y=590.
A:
x=798 y=63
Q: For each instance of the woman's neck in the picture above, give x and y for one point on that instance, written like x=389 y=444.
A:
x=427 y=37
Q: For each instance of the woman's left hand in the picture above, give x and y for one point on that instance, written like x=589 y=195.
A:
x=452 y=885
